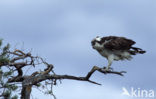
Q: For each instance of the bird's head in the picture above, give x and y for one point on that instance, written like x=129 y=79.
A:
x=96 y=43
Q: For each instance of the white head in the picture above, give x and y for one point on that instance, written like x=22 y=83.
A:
x=96 y=43
x=98 y=38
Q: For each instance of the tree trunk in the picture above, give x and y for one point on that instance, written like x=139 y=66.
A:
x=26 y=91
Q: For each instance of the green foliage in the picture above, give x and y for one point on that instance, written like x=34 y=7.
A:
x=1 y=73
x=7 y=93
x=4 y=56
x=1 y=42
x=14 y=87
x=15 y=97
x=50 y=92
x=5 y=49
x=6 y=73
x=4 y=60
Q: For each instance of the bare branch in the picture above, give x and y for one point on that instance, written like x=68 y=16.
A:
x=22 y=59
x=104 y=71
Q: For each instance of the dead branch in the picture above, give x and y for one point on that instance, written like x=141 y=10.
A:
x=22 y=59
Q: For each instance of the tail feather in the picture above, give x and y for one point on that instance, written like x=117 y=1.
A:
x=136 y=50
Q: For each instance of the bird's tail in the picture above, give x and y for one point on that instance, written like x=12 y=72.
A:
x=136 y=50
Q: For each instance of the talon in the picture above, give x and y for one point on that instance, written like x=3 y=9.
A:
x=108 y=68
x=111 y=69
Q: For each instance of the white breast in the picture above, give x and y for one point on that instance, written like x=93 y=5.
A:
x=117 y=55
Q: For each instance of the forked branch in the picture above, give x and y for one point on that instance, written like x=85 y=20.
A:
x=21 y=60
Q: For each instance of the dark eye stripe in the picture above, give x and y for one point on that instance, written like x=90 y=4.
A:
x=93 y=42
x=99 y=42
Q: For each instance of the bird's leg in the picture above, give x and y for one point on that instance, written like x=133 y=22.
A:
x=110 y=61
x=109 y=66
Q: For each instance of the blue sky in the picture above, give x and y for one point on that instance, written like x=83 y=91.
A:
x=61 y=32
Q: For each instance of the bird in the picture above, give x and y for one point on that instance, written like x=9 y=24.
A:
x=115 y=48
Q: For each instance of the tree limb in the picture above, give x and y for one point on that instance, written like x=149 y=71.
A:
x=22 y=59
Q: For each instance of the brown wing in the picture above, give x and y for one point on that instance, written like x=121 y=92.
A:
x=118 y=43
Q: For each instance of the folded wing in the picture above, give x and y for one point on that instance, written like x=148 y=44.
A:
x=117 y=43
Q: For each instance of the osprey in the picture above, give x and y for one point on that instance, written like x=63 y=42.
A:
x=115 y=48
